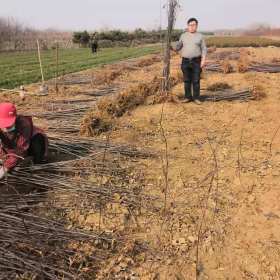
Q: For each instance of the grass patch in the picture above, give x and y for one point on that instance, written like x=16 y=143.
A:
x=18 y=68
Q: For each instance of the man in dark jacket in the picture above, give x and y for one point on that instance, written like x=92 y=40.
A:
x=19 y=138
x=94 y=46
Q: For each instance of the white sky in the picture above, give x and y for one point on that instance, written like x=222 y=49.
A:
x=130 y=14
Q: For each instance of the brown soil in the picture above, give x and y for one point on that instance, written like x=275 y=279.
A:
x=239 y=236
x=221 y=218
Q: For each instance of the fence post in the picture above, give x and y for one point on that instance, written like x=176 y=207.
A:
x=56 y=68
x=40 y=61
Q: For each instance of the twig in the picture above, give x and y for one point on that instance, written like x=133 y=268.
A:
x=273 y=137
x=199 y=234
x=165 y=159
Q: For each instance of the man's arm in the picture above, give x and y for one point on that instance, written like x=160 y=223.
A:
x=179 y=45
x=203 y=52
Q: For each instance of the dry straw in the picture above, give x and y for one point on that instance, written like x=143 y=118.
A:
x=258 y=92
x=218 y=86
x=101 y=118
x=227 y=67
x=243 y=62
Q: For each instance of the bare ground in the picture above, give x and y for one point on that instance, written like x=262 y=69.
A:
x=222 y=217
x=219 y=170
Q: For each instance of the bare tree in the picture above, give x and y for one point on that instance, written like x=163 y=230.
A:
x=16 y=36
x=4 y=31
x=172 y=6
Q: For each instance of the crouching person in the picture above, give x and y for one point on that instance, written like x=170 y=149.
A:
x=19 y=139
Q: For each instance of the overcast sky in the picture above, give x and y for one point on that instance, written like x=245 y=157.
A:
x=130 y=14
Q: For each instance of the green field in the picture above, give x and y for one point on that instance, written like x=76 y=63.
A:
x=20 y=68
x=241 y=41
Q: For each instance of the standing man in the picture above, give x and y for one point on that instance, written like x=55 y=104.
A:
x=94 y=43
x=193 y=50
x=94 y=46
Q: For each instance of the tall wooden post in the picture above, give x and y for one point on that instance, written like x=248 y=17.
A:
x=56 y=68
x=40 y=62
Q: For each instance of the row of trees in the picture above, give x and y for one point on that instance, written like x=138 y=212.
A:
x=12 y=33
x=262 y=30
x=15 y=36
x=114 y=37
x=120 y=37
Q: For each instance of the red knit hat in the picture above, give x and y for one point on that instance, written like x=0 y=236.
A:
x=8 y=114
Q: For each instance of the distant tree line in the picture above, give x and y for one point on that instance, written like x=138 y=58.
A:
x=14 y=36
x=12 y=33
x=113 y=38
x=262 y=30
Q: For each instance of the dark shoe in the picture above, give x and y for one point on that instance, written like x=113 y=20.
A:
x=186 y=100
x=197 y=102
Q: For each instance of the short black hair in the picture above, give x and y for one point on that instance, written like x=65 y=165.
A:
x=192 y=19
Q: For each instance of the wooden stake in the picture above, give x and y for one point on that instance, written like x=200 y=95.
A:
x=56 y=69
x=40 y=61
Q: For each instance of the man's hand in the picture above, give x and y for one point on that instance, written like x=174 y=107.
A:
x=176 y=47
x=173 y=47
x=2 y=172
x=203 y=62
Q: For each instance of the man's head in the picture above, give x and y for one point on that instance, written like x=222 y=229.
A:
x=192 y=25
x=8 y=114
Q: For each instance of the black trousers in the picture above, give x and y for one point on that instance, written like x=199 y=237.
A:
x=191 y=69
x=37 y=148
x=94 y=47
